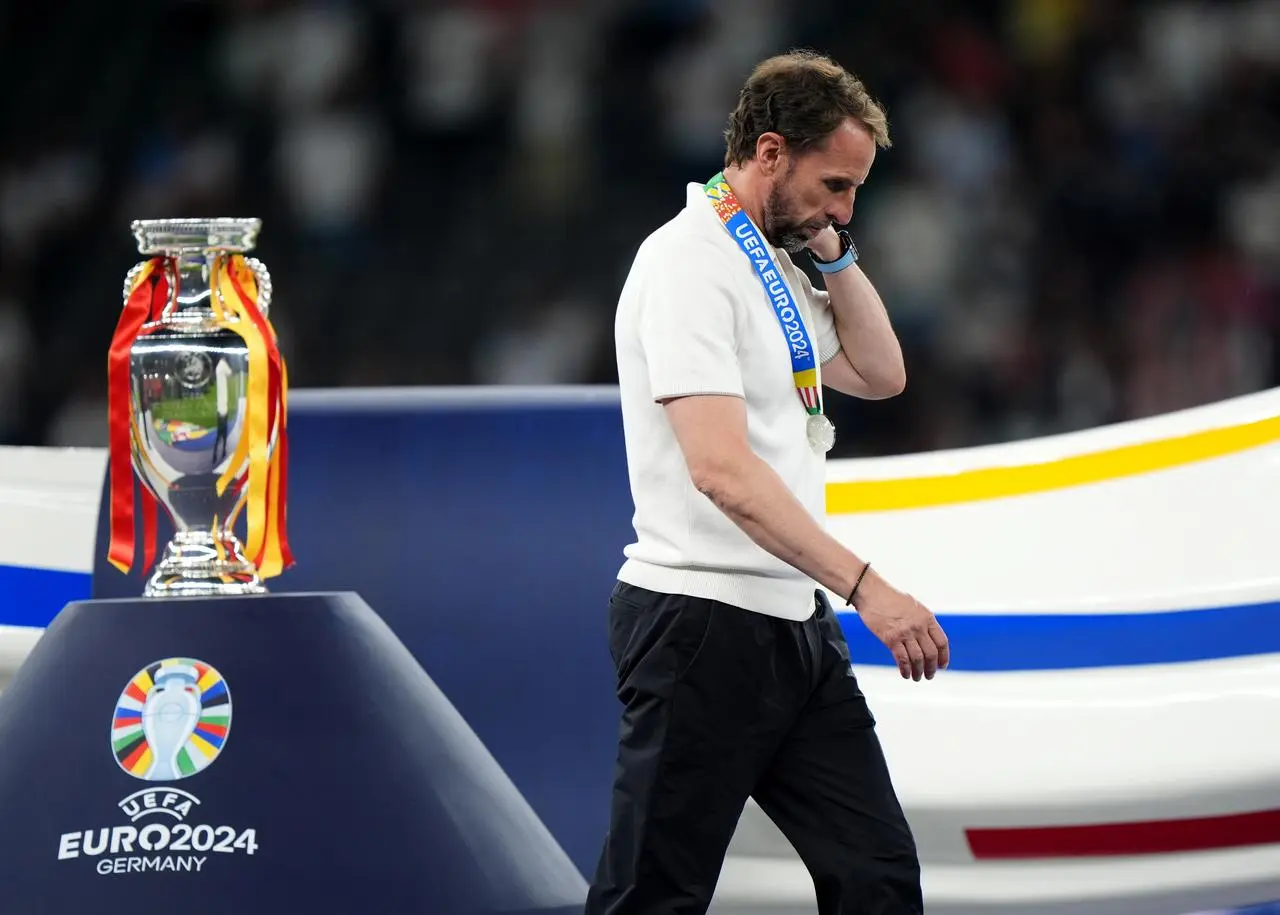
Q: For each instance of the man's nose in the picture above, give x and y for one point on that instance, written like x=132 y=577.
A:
x=841 y=210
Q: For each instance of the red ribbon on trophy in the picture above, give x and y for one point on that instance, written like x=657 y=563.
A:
x=148 y=294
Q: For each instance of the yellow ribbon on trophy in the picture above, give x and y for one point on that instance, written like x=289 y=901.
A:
x=234 y=299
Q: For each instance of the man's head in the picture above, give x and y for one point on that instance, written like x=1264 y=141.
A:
x=810 y=129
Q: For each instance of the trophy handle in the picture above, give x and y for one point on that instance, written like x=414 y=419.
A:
x=264 y=284
x=264 y=306
x=169 y=272
x=129 y=278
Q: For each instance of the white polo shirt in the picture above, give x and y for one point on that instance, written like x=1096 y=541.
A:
x=693 y=319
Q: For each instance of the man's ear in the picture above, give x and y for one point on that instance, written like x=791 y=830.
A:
x=771 y=152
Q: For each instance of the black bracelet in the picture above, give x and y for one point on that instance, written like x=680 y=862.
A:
x=861 y=575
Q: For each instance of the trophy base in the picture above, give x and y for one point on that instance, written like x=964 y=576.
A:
x=198 y=564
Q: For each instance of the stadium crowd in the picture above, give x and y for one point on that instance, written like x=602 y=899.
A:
x=1078 y=222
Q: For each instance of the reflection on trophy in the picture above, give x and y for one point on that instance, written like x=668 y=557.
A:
x=197 y=391
x=169 y=718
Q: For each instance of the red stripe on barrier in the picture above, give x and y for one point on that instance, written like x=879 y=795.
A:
x=1109 y=839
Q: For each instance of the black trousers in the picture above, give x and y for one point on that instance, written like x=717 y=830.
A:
x=721 y=704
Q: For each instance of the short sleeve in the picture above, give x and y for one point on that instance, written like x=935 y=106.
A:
x=686 y=324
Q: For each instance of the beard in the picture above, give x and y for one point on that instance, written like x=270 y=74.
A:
x=781 y=228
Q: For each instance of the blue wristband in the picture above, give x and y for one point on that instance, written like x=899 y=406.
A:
x=850 y=256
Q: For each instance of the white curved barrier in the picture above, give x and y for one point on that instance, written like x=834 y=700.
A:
x=1045 y=781
x=1106 y=742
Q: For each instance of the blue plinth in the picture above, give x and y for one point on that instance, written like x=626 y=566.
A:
x=281 y=753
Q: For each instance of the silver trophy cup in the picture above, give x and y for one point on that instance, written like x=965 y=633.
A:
x=188 y=388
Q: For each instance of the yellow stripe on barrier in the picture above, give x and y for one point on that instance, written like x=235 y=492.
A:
x=854 y=497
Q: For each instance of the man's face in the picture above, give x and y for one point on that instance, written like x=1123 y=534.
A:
x=816 y=188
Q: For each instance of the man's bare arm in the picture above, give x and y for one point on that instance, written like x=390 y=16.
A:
x=869 y=364
x=712 y=433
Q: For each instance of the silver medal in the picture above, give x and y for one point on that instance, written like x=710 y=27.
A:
x=821 y=432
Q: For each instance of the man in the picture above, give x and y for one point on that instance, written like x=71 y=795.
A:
x=732 y=668
x=222 y=378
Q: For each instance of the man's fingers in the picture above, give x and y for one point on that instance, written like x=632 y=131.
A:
x=939 y=639
x=916 y=654
x=904 y=661
x=930 y=656
x=917 y=642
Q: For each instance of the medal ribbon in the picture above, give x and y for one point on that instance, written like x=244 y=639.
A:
x=147 y=298
x=235 y=302
x=804 y=365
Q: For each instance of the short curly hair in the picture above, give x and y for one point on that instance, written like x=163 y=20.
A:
x=803 y=96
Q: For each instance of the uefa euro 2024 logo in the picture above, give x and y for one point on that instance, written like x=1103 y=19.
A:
x=170 y=723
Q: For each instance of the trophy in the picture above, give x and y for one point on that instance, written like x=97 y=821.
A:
x=197 y=400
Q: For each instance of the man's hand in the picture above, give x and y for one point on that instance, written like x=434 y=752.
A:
x=826 y=244
x=905 y=626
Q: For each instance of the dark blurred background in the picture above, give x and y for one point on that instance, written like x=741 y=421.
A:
x=1079 y=221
